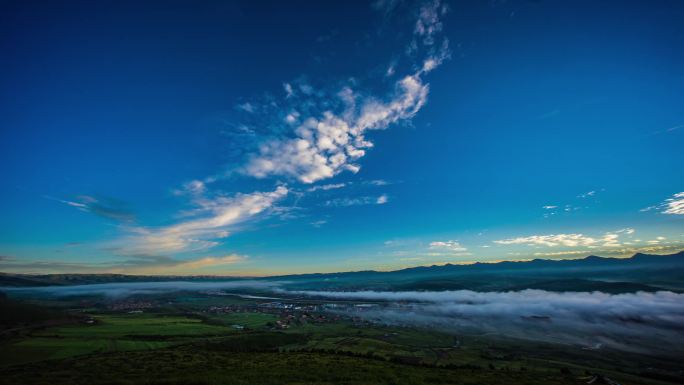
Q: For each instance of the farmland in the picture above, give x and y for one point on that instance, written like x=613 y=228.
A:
x=235 y=340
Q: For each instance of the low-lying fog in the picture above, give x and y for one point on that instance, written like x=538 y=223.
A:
x=639 y=322
x=124 y=289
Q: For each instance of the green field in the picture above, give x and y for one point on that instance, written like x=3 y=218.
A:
x=185 y=347
x=110 y=333
x=190 y=366
x=249 y=320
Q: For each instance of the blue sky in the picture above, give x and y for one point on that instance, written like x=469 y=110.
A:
x=263 y=137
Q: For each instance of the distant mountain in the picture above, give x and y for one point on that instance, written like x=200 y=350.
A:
x=637 y=261
x=31 y=280
x=641 y=272
x=592 y=262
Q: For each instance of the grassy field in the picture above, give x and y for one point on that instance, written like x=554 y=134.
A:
x=110 y=333
x=124 y=347
x=249 y=320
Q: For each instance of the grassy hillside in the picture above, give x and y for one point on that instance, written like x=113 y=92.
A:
x=189 y=366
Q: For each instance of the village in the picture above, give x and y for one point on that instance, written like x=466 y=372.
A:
x=291 y=314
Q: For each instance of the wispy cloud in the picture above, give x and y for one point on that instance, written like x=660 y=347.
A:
x=329 y=144
x=103 y=207
x=377 y=182
x=331 y=139
x=319 y=223
x=382 y=199
x=135 y=265
x=673 y=205
x=582 y=201
x=212 y=220
x=247 y=107
x=309 y=134
x=326 y=187
x=359 y=201
x=447 y=245
x=429 y=21
x=562 y=253
x=667 y=130
x=609 y=239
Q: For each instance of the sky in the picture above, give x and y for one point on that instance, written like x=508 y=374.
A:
x=258 y=138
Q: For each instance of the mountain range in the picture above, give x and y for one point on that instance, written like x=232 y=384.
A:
x=641 y=272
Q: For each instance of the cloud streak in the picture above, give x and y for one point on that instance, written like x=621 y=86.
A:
x=212 y=220
x=609 y=239
x=673 y=205
x=144 y=264
x=103 y=207
x=447 y=245
x=360 y=201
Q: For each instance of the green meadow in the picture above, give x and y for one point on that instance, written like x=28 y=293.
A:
x=109 y=333
x=176 y=346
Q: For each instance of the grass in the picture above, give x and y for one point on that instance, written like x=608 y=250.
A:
x=209 y=345
x=111 y=333
x=250 y=320
x=190 y=366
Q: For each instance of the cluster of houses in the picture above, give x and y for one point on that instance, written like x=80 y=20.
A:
x=131 y=306
x=290 y=314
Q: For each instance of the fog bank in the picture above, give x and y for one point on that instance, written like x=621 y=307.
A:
x=123 y=289
x=639 y=322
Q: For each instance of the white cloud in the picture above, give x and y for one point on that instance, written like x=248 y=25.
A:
x=319 y=223
x=609 y=239
x=382 y=199
x=674 y=205
x=192 y=188
x=326 y=187
x=247 y=107
x=587 y=194
x=559 y=253
x=330 y=135
x=292 y=117
x=360 y=201
x=208 y=262
x=213 y=220
x=428 y=23
x=328 y=144
x=135 y=265
x=288 y=90
x=549 y=207
x=378 y=182
x=449 y=245
x=390 y=70
x=550 y=240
